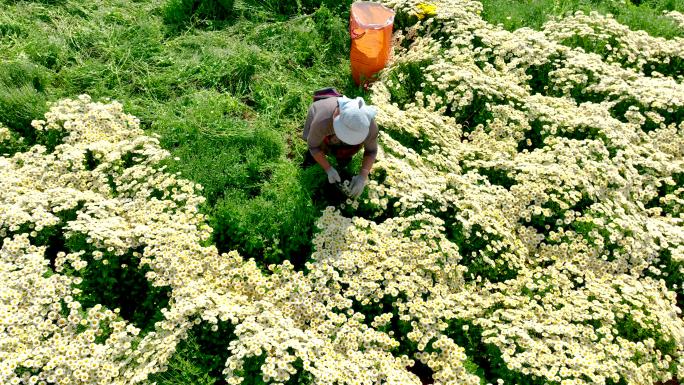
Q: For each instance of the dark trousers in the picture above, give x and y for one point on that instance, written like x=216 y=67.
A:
x=309 y=160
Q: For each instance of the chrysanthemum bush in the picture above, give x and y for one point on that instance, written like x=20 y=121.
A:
x=10 y=142
x=65 y=214
x=558 y=153
x=523 y=225
x=678 y=17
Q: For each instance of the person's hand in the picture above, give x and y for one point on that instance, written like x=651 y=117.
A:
x=358 y=183
x=333 y=176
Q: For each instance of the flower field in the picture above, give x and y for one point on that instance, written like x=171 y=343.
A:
x=522 y=225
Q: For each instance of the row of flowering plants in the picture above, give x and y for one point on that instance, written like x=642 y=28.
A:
x=524 y=226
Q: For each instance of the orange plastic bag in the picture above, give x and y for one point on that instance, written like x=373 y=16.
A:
x=370 y=27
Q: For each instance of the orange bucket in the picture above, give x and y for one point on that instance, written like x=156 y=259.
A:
x=370 y=27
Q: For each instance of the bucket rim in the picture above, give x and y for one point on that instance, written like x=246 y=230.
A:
x=389 y=21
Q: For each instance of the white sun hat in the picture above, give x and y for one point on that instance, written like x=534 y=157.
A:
x=352 y=124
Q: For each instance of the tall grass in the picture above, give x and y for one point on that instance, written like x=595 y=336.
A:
x=227 y=94
x=644 y=15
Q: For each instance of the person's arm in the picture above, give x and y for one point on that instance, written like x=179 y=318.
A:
x=333 y=175
x=370 y=150
x=314 y=140
x=358 y=182
x=322 y=160
x=309 y=119
x=367 y=164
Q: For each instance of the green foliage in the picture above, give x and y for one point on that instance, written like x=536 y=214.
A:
x=200 y=358
x=472 y=248
x=116 y=279
x=229 y=70
x=631 y=330
x=485 y=359
x=10 y=28
x=18 y=73
x=499 y=177
x=115 y=284
x=301 y=37
x=22 y=97
x=318 y=38
x=13 y=144
x=332 y=29
x=217 y=147
x=19 y=106
x=672 y=272
x=276 y=224
x=47 y=2
x=252 y=374
x=294 y=7
x=408 y=78
x=543 y=223
x=514 y=14
x=111 y=281
x=287 y=7
x=664 y=190
x=419 y=144
x=475 y=369
x=178 y=13
x=642 y=15
x=112 y=62
x=661 y=5
x=340 y=7
x=48 y=50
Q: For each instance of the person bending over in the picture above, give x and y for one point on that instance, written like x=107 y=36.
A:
x=340 y=126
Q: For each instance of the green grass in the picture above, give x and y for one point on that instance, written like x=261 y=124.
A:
x=199 y=359
x=644 y=15
x=225 y=87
